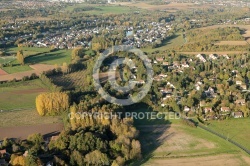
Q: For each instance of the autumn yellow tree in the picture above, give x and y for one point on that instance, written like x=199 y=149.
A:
x=20 y=57
x=52 y=103
x=77 y=52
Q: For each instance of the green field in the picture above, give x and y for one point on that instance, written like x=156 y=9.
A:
x=57 y=57
x=168 y=44
x=235 y=129
x=24 y=118
x=103 y=9
x=7 y=59
x=17 y=68
x=27 y=50
x=20 y=95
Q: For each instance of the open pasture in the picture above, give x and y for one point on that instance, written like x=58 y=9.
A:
x=20 y=95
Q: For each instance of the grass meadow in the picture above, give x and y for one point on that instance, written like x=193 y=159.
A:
x=20 y=95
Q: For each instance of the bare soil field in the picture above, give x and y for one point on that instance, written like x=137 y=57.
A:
x=38 y=69
x=24 y=131
x=178 y=145
x=2 y=72
x=231 y=43
x=173 y=7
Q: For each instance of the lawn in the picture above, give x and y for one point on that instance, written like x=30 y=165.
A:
x=20 y=95
x=25 y=118
x=51 y=58
x=235 y=129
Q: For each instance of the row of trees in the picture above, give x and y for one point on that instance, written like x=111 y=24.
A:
x=52 y=103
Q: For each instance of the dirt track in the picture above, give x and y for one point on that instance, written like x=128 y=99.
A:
x=24 y=131
x=38 y=69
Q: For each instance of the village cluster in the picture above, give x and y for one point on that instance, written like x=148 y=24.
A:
x=209 y=112
x=71 y=38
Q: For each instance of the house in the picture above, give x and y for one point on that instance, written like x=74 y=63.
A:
x=159 y=59
x=208 y=110
x=202 y=103
x=238 y=114
x=163 y=75
x=2 y=152
x=244 y=87
x=240 y=102
x=226 y=56
x=157 y=78
x=238 y=82
x=212 y=56
x=225 y=109
x=165 y=63
x=186 y=109
x=185 y=65
x=26 y=153
x=54 y=138
x=201 y=58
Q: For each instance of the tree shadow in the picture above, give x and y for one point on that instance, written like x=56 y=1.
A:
x=153 y=131
x=168 y=40
x=44 y=57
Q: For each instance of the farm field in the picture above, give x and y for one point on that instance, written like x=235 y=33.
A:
x=101 y=9
x=51 y=58
x=7 y=59
x=25 y=118
x=232 y=43
x=171 y=7
x=170 y=142
x=37 y=69
x=17 y=69
x=235 y=129
x=71 y=80
x=213 y=52
x=178 y=144
x=2 y=72
x=20 y=95
x=167 y=44
x=22 y=132
x=27 y=50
